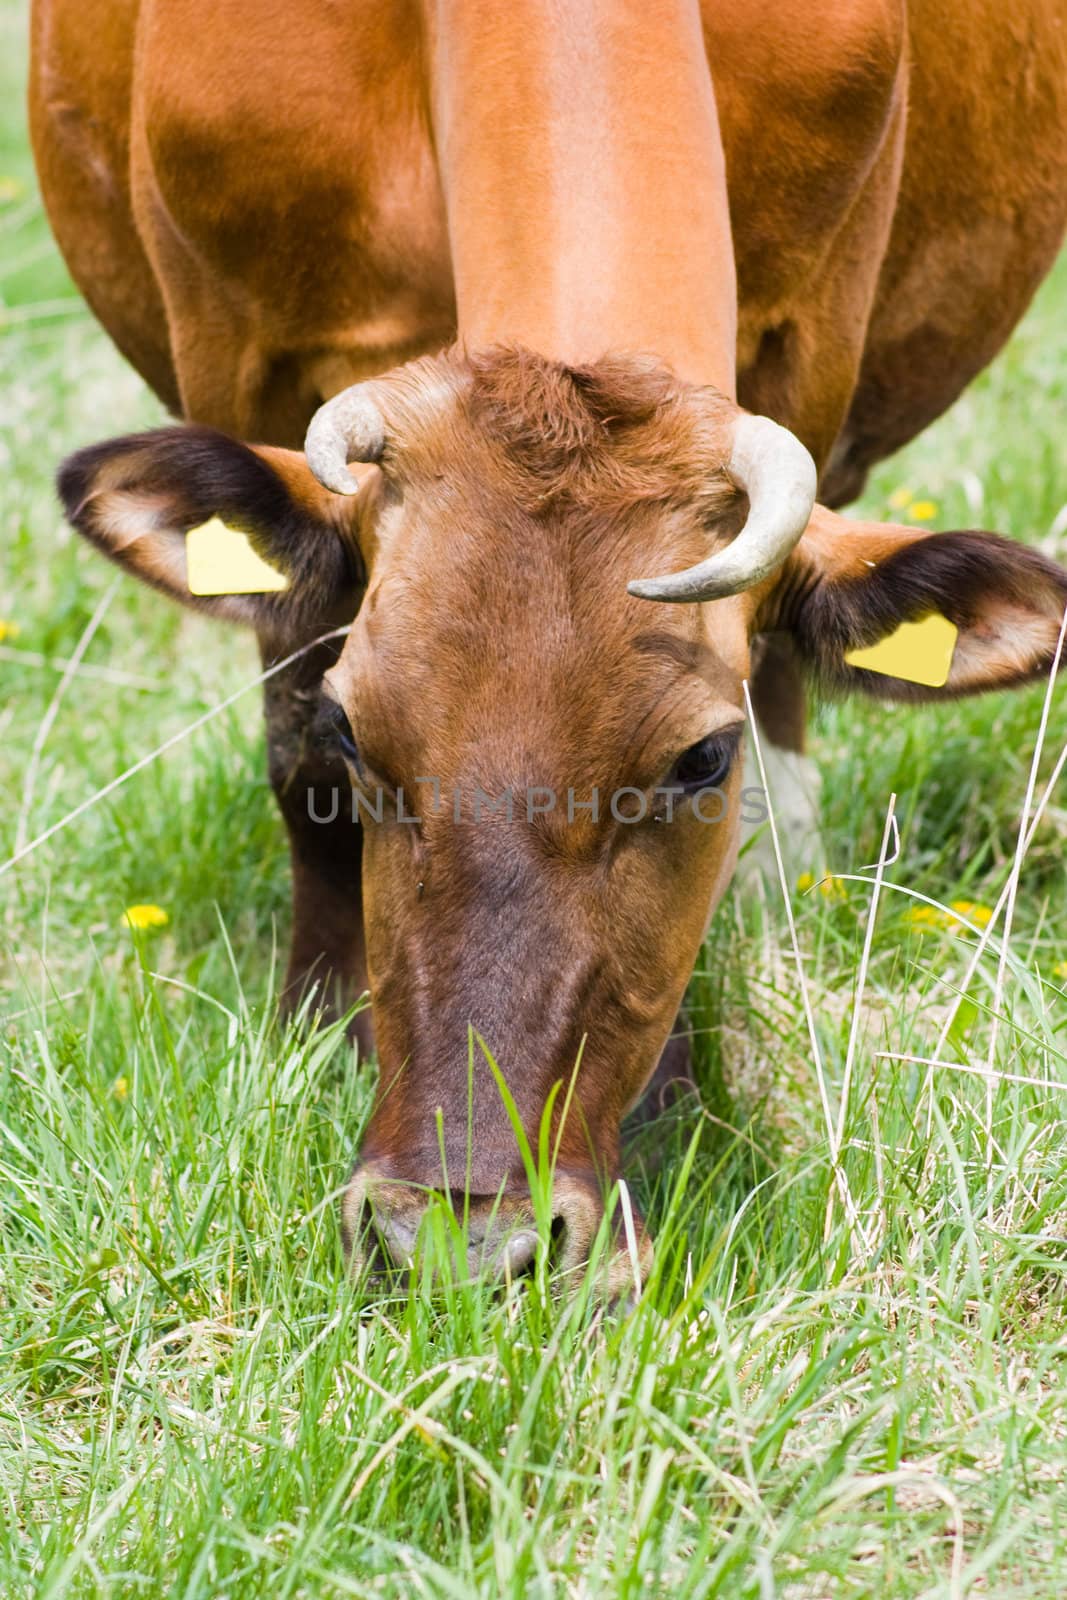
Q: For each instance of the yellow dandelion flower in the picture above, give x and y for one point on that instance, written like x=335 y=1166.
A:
x=830 y=887
x=980 y=915
x=923 y=917
x=145 y=917
x=922 y=510
x=8 y=630
x=900 y=498
x=11 y=189
x=120 y=1088
x=1060 y=970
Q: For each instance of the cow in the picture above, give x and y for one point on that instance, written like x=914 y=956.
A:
x=593 y=316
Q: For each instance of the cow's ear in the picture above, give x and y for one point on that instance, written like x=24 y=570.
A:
x=269 y=545
x=904 y=615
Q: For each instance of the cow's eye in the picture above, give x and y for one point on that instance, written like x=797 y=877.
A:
x=334 y=730
x=349 y=748
x=706 y=764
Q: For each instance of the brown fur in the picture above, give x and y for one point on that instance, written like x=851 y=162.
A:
x=833 y=224
x=509 y=657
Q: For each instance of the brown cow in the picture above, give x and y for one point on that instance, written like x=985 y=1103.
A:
x=633 y=214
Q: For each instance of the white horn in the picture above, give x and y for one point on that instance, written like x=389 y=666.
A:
x=778 y=475
x=347 y=428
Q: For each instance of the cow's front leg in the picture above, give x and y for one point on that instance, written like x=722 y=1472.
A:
x=670 y=1092
x=793 y=781
x=327 y=956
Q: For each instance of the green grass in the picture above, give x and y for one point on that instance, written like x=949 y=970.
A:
x=196 y=1402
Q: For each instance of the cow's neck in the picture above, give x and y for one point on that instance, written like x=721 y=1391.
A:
x=583 y=173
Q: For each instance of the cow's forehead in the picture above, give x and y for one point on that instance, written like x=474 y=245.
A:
x=518 y=501
x=463 y=583
x=525 y=645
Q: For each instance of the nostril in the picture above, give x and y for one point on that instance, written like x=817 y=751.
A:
x=577 y=1216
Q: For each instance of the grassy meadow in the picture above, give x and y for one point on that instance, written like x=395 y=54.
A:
x=848 y=1375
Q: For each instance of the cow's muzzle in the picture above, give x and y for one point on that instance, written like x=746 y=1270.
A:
x=384 y=1220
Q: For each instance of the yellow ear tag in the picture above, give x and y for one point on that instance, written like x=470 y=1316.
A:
x=918 y=652
x=220 y=560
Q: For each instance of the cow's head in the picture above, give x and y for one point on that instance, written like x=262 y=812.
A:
x=535 y=722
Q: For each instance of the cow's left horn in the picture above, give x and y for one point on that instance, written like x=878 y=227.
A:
x=350 y=427
x=778 y=475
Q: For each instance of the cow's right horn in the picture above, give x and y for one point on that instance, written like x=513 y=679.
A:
x=350 y=427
